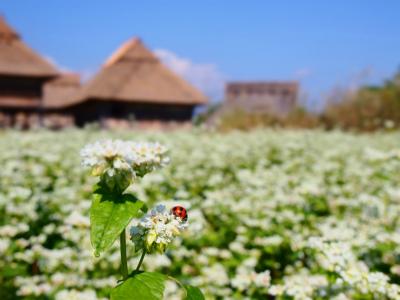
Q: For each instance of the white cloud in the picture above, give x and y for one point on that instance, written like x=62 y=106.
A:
x=206 y=77
x=302 y=73
x=85 y=74
x=58 y=66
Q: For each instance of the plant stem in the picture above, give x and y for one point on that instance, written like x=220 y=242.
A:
x=141 y=260
x=124 y=263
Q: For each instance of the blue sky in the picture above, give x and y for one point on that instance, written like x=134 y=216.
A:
x=324 y=44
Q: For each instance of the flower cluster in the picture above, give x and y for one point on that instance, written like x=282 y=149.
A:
x=258 y=195
x=246 y=278
x=118 y=162
x=338 y=257
x=157 y=229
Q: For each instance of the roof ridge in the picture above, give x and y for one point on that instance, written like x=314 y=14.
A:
x=134 y=74
x=6 y=31
x=131 y=50
x=17 y=58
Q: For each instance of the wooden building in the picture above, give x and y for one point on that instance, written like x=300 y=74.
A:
x=132 y=84
x=22 y=76
x=275 y=98
x=57 y=92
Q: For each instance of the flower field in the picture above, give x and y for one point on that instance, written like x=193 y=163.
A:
x=272 y=215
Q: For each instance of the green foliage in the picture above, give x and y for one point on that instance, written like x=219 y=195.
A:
x=367 y=109
x=112 y=210
x=193 y=293
x=243 y=120
x=150 y=286
x=143 y=286
x=109 y=215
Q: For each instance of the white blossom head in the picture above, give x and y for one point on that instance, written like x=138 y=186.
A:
x=118 y=162
x=157 y=229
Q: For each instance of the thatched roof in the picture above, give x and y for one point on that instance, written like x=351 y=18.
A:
x=134 y=74
x=60 y=90
x=17 y=59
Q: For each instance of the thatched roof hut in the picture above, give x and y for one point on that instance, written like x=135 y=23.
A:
x=17 y=59
x=22 y=75
x=134 y=74
x=133 y=82
x=60 y=90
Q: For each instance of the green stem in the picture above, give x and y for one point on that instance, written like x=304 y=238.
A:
x=124 y=263
x=141 y=260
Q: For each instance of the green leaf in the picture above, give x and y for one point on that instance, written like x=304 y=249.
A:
x=193 y=293
x=109 y=215
x=144 y=208
x=143 y=286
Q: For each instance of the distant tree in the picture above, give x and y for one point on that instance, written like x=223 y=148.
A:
x=367 y=109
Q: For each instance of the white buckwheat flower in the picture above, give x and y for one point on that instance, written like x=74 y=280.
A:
x=157 y=229
x=119 y=162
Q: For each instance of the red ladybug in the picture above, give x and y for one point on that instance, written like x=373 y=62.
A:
x=179 y=211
